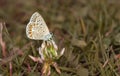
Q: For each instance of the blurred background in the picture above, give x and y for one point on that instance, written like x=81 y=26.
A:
x=88 y=29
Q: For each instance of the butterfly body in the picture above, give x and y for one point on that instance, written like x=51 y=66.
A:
x=37 y=29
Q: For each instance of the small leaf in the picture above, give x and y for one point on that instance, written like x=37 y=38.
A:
x=79 y=43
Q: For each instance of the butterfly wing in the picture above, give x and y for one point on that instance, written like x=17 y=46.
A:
x=37 y=28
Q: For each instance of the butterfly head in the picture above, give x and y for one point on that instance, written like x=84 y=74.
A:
x=48 y=37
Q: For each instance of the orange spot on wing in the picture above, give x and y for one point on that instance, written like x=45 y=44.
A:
x=30 y=32
x=30 y=35
x=30 y=27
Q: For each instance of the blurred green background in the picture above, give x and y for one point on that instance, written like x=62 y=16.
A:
x=88 y=29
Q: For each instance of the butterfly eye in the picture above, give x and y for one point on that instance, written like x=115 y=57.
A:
x=51 y=34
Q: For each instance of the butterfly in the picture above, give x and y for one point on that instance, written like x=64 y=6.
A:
x=37 y=29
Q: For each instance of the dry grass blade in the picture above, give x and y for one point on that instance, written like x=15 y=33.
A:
x=2 y=43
